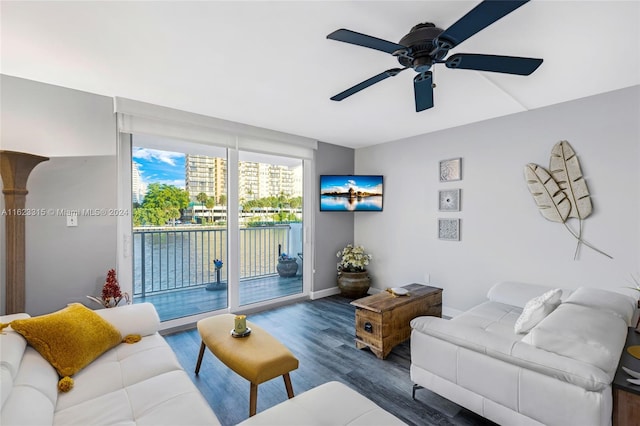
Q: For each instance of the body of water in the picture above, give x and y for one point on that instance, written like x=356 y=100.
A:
x=344 y=203
x=182 y=257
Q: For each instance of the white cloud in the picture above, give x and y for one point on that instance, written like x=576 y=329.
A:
x=175 y=182
x=154 y=154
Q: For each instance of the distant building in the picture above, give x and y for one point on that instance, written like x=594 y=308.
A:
x=138 y=187
x=261 y=180
x=256 y=180
x=205 y=174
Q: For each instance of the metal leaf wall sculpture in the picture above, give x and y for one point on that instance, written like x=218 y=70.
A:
x=565 y=169
x=562 y=192
x=549 y=197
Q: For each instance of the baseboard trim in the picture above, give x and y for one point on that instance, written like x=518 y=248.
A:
x=450 y=312
x=324 y=293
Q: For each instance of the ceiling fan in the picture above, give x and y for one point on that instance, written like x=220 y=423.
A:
x=426 y=45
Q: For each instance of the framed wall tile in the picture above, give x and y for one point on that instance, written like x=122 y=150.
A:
x=451 y=169
x=449 y=229
x=449 y=200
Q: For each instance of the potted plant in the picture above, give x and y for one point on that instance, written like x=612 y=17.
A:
x=111 y=293
x=287 y=266
x=353 y=279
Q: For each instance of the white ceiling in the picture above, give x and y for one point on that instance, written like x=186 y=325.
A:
x=270 y=65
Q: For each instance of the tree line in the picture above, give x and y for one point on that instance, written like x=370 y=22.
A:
x=164 y=204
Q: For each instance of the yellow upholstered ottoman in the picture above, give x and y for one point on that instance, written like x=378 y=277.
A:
x=258 y=357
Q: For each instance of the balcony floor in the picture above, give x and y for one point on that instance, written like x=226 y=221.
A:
x=196 y=300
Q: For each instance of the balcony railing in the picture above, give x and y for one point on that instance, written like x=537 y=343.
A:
x=173 y=258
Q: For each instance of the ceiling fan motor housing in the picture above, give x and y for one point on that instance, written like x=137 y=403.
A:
x=420 y=42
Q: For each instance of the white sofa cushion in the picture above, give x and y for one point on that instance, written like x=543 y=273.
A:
x=12 y=345
x=27 y=380
x=536 y=309
x=618 y=304
x=32 y=397
x=165 y=399
x=482 y=334
x=331 y=403
x=140 y=318
x=582 y=333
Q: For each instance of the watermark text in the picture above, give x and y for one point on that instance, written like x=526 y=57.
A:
x=96 y=212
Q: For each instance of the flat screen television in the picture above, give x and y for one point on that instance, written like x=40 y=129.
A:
x=351 y=193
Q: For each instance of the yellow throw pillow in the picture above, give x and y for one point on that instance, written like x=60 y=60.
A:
x=69 y=339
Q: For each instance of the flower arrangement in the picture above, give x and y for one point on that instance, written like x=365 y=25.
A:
x=353 y=259
x=111 y=293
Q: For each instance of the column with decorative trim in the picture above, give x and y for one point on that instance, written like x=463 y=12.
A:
x=15 y=168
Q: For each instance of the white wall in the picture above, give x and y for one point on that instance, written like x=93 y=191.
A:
x=77 y=130
x=504 y=237
x=55 y=121
x=65 y=264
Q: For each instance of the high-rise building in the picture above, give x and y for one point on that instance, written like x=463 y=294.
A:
x=205 y=174
x=256 y=180
x=261 y=180
x=138 y=187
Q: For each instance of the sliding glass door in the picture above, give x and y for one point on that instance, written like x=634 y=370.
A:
x=179 y=234
x=270 y=221
x=227 y=218
x=197 y=250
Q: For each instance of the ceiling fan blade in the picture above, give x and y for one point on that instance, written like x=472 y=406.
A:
x=364 y=40
x=480 y=17
x=495 y=63
x=369 y=82
x=423 y=91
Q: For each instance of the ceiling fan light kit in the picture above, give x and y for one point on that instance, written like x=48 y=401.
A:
x=426 y=45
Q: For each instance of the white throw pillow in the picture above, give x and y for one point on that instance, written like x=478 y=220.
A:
x=537 y=309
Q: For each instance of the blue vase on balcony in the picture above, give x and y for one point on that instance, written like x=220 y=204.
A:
x=287 y=268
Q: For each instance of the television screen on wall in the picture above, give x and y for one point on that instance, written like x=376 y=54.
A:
x=351 y=193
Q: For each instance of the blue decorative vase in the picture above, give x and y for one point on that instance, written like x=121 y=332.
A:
x=287 y=268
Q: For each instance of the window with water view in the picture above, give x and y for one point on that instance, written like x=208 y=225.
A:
x=180 y=230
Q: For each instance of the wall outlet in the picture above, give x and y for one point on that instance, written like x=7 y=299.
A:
x=72 y=220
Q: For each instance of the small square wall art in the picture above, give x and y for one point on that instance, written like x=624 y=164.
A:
x=449 y=229
x=449 y=200
x=451 y=169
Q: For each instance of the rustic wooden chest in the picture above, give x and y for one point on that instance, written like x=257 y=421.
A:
x=383 y=319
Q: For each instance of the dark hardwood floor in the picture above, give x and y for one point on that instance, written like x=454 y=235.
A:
x=320 y=333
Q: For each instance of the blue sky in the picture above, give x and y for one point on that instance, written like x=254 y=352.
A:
x=160 y=166
x=342 y=183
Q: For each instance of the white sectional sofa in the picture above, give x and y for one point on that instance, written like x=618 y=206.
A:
x=558 y=373
x=144 y=384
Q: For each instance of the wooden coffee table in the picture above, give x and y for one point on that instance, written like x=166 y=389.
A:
x=383 y=319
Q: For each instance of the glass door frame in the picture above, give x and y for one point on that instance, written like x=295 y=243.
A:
x=124 y=237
